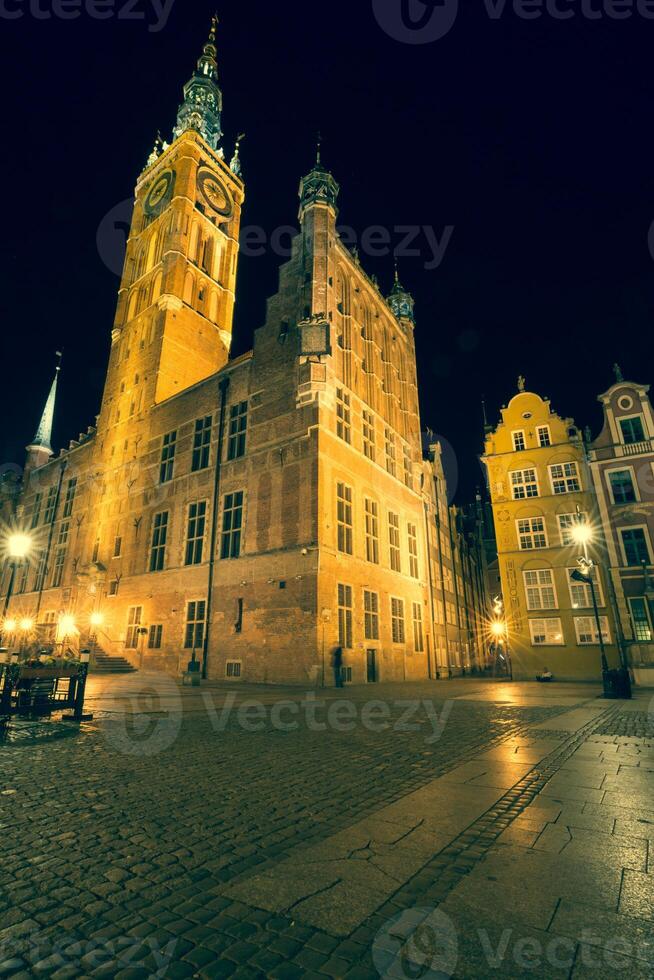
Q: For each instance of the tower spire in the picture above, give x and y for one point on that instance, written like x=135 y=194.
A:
x=400 y=300
x=203 y=100
x=42 y=442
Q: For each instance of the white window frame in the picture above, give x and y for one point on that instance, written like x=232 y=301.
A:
x=541 y=444
x=519 y=481
x=398 y=616
x=565 y=478
x=371 y=613
x=630 y=418
x=643 y=599
x=522 y=438
x=634 y=483
x=547 y=630
x=648 y=542
x=597 y=582
x=590 y=621
x=531 y=533
x=540 y=587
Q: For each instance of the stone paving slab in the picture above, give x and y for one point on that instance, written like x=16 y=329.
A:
x=606 y=930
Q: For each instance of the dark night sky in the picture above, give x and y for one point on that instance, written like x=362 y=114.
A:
x=531 y=138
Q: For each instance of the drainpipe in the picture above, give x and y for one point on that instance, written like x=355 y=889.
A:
x=431 y=596
x=50 y=540
x=456 y=583
x=442 y=571
x=223 y=387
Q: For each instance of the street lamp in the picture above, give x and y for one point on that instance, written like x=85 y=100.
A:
x=26 y=626
x=499 y=629
x=18 y=548
x=583 y=535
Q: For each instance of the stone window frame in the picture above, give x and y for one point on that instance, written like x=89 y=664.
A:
x=371 y=612
x=553 y=636
x=344 y=518
x=586 y=631
x=531 y=534
x=634 y=484
x=398 y=621
x=345 y=602
x=524 y=484
x=194 y=543
x=540 y=587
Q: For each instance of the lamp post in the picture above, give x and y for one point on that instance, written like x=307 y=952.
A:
x=499 y=629
x=583 y=534
x=18 y=548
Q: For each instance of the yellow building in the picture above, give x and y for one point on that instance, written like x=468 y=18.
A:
x=541 y=489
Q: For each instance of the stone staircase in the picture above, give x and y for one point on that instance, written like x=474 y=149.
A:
x=104 y=664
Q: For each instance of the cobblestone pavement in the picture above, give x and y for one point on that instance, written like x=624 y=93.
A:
x=346 y=824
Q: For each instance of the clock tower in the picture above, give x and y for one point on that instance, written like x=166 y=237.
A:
x=173 y=326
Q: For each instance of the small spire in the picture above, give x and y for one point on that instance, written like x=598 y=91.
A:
x=401 y=301
x=617 y=370
x=522 y=383
x=203 y=101
x=43 y=437
x=235 y=165
x=319 y=151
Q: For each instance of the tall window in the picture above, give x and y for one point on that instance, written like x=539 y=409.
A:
x=155 y=637
x=50 y=505
x=69 y=502
x=159 y=540
x=565 y=478
x=622 y=487
x=168 y=450
x=58 y=569
x=408 y=468
x=567 y=524
x=524 y=484
x=344 y=519
x=519 y=443
x=369 y=439
x=36 y=510
x=345 y=611
x=372 y=530
x=391 y=452
x=634 y=542
x=232 y=525
x=632 y=430
x=587 y=634
x=641 y=619
x=196 y=620
x=394 y=541
x=134 y=622
x=540 y=589
x=397 y=620
x=343 y=416
x=201 y=444
x=531 y=533
x=64 y=532
x=195 y=531
x=414 y=569
x=238 y=428
x=581 y=594
x=39 y=580
x=118 y=546
x=24 y=578
x=544 y=436
x=371 y=614
x=546 y=632
x=418 y=634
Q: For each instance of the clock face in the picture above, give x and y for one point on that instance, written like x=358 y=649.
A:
x=215 y=194
x=160 y=192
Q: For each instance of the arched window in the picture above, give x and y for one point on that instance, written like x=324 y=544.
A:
x=152 y=251
x=213 y=307
x=194 y=243
x=131 y=306
x=189 y=287
x=156 y=287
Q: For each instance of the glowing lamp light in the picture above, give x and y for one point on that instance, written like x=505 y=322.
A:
x=67 y=625
x=10 y=625
x=582 y=534
x=498 y=629
x=27 y=625
x=97 y=619
x=19 y=545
